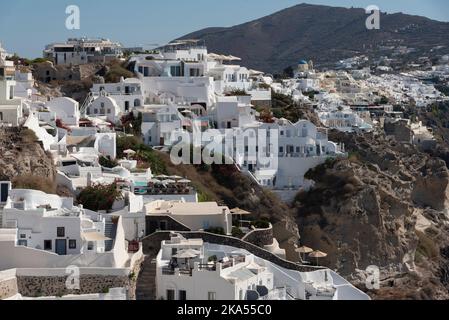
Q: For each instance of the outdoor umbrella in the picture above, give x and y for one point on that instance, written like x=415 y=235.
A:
x=184 y=181
x=317 y=255
x=129 y=152
x=187 y=254
x=304 y=250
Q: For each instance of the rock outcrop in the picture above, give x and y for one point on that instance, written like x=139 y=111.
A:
x=22 y=155
x=383 y=206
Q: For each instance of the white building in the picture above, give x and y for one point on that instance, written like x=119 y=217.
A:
x=345 y=120
x=195 y=216
x=51 y=223
x=185 y=73
x=127 y=93
x=10 y=106
x=82 y=51
x=194 y=270
x=293 y=150
x=159 y=123
x=104 y=107
x=233 y=112
x=66 y=110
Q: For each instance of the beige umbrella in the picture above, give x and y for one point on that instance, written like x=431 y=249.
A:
x=304 y=250
x=129 y=152
x=317 y=255
x=240 y=212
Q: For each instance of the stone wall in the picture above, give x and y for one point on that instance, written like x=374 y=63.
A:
x=8 y=288
x=260 y=237
x=152 y=244
x=261 y=103
x=38 y=286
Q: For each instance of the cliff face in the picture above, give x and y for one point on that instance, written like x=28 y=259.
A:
x=22 y=155
x=384 y=206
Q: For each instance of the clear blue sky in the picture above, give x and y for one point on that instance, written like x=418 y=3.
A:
x=26 y=26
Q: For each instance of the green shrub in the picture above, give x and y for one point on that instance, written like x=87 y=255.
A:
x=237 y=232
x=145 y=155
x=237 y=92
x=213 y=258
x=107 y=162
x=116 y=71
x=99 y=197
x=261 y=224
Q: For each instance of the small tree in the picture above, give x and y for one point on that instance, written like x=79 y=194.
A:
x=99 y=197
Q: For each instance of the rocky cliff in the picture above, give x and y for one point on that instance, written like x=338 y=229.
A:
x=23 y=160
x=383 y=206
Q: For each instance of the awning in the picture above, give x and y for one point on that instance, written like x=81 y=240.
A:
x=94 y=236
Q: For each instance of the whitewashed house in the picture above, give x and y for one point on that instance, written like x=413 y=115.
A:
x=159 y=123
x=195 y=216
x=51 y=223
x=233 y=112
x=104 y=107
x=83 y=50
x=127 y=93
x=344 y=119
x=190 y=269
x=11 y=109
x=185 y=73
x=66 y=110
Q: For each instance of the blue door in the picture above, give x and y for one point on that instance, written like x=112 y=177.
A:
x=61 y=247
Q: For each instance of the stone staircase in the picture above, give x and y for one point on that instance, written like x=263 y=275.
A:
x=146 y=282
x=110 y=231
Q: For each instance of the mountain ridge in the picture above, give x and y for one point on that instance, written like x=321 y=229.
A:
x=324 y=34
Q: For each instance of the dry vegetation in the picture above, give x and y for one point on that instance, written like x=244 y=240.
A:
x=35 y=183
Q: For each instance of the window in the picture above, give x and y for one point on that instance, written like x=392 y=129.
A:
x=194 y=72
x=23 y=236
x=1 y=116
x=90 y=246
x=281 y=149
x=211 y=296
x=72 y=244
x=48 y=245
x=23 y=243
x=170 y=294
x=175 y=71
x=126 y=106
x=109 y=110
x=182 y=295
x=60 y=232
